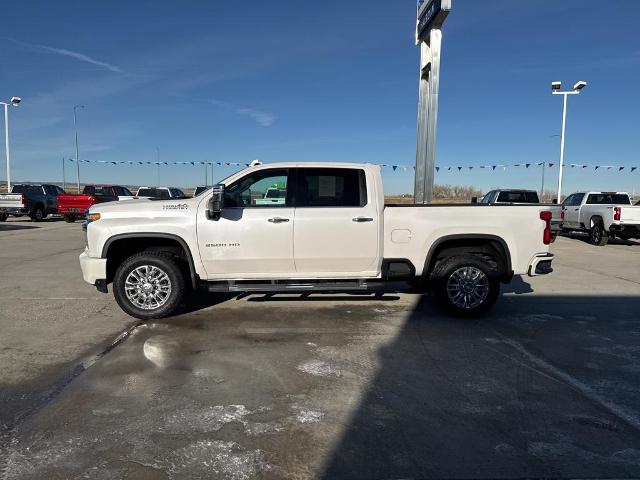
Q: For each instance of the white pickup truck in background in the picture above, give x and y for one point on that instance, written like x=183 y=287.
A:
x=603 y=215
x=331 y=232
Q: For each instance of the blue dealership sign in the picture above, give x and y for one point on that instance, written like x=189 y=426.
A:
x=431 y=14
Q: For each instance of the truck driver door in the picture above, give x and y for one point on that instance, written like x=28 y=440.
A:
x=253 y=238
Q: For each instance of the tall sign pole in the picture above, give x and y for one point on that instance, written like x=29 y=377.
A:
x=431 y=16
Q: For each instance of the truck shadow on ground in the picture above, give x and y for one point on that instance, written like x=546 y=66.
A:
x=6 y=227
x=544 y=386
x=585 y=238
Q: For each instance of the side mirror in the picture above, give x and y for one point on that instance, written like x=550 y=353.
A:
x=216 y=202
x=474 y=199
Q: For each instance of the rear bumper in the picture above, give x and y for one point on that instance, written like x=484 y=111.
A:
x=77 y=211
x=540 y=264
x=94 y=270
x=632 y=230
x=14 y=210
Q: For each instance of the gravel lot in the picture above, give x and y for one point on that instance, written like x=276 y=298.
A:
x=320 y=386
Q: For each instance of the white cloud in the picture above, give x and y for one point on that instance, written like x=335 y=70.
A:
x=264 y=119
x=70 y=53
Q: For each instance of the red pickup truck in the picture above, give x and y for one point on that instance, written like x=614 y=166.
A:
x=72 y=207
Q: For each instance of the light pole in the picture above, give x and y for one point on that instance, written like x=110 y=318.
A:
x=555 y=90
x=75 y=126
x=15 y=101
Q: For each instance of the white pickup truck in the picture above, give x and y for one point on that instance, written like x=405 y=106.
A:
x=603 y=215
x=333 y=232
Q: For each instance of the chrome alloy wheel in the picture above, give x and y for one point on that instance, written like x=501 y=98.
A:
x=147 y=287
x=468 y=287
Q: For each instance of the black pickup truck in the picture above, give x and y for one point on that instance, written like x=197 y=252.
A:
x=36 y=201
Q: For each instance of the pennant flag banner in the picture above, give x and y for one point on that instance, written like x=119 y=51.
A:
x=394 y=167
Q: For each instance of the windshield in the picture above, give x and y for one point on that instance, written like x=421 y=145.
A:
x=98 y=191
x=200 y=190
x=26 y=189
x=161 y=193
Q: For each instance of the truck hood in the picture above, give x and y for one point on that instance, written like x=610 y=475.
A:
x=145 y=207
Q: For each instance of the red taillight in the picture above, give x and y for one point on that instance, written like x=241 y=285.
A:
x=561 y=214
x=546 y=235
x=617 y=213
x=24 y=199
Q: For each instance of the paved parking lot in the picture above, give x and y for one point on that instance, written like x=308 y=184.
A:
x=320 y=386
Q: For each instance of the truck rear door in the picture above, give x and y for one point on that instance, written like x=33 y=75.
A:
x=336 y=223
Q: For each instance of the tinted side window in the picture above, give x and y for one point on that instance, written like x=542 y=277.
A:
x=126 y=192
x=569 y=200
x=577 y=199
x=330 y=187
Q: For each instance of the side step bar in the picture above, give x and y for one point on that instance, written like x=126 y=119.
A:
x=294 y=286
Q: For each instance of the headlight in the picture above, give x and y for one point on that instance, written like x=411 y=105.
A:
x=93 y=217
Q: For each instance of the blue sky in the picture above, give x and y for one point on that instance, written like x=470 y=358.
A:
x=308 y=80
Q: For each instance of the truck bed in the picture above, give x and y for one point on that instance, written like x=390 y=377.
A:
x=410 y=230
x=79 y=204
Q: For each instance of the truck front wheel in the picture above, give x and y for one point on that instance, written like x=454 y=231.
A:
x=465 y=285
x=3 y=217
x=69 y=218
x=149 y=285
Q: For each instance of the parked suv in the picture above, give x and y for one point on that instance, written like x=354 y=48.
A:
x=36 y=201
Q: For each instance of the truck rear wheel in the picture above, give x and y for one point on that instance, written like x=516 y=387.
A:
x=597 y=235
x=69 y=218
x=38 y=214
x=149 y=285
x=465 y=285
x=3 y=217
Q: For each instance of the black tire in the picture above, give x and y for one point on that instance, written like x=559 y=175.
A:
x=69 y=218
x=3 y=217
x=38 y=214
x=161 y=261
x=597 y=235
x=482 y=293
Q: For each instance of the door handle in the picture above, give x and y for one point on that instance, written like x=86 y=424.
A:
x=362 y=219
x=278 y=220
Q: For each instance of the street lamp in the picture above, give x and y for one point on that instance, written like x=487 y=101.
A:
x=75 y=127
x=555 y=90
x=14 y=102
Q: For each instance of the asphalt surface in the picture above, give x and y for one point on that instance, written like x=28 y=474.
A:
x=322 y=386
